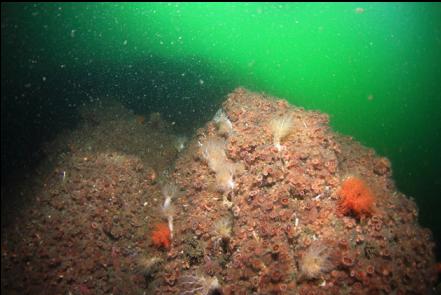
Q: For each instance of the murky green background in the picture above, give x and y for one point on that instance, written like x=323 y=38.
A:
x=374 y=67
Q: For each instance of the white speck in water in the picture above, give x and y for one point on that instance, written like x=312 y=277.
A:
x=359 y=10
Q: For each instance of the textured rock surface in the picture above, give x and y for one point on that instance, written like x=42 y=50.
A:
x=250 y=216
x=284 y=212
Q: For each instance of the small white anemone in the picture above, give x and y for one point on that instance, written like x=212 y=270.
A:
x=198 y=284
x=281 y=127
x=316 y=261
x=213 y=151
x=222 y=228
x=180 y=142
x=225 y=178
x=170 y=191
x=224 y=125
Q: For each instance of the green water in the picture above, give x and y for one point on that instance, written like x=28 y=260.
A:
x=374 y=67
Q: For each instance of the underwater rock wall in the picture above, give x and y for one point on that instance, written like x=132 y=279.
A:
x=265 y=199
x=84 y=229
x=275 y=202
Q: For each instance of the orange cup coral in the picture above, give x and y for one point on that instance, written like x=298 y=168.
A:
x=161 y=236
x=355 y=197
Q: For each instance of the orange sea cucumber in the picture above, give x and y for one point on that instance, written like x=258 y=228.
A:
x=161 y=236
x=356 y=197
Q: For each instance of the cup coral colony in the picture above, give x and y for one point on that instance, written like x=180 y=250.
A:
x=263 y=199
x=299 y=208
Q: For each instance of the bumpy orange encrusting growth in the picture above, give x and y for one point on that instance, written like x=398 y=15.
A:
x=356 y=197
x=161 y=236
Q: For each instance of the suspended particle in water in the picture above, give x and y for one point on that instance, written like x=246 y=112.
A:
x=359 y=10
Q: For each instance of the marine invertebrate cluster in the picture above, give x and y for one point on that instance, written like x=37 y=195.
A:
x=213 y=151
x=161 y=236
x=356 y=197
x=280 y=128
x=264 y=235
